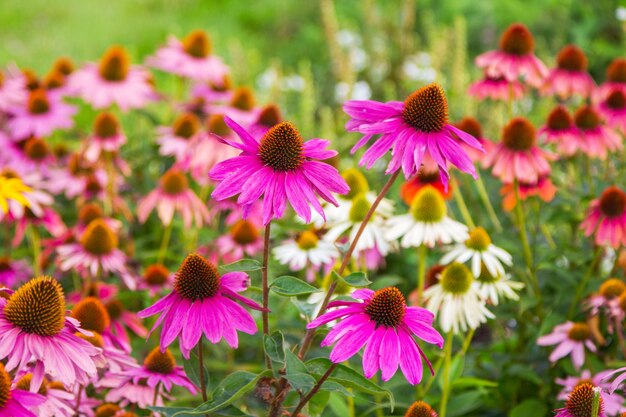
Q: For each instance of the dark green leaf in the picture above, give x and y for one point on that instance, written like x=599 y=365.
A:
x=333 y=386
x=297 y=373
x=462 y=404
x=529 y=407
x=356 y=279
x=244 y=265
x=274 y=346
x=171 y=411
x=317 y=404
x=291 y=286
x=473 y=382
x=193 y=373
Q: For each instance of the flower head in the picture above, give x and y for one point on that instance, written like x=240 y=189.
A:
x=16 y=401
x=571 y=338
x=561 y=130
x=282 y=168
x=580 y=402
x=598 y=139
x=380 y=319
x=606 y=218
x=456 y=300
x=498 y=88
x=203 y=301
x=420 y=409
x=570 y=75
x=40 y=116
x=413 y=129
x=159 y=367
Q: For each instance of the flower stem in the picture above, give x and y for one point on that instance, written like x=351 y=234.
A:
x=314 y=390
x=266 y=291
x=597 y=255
x=201 y=371
x=78 y=397
x=156 y=396
x=308 y=338
x=595 y=407
x=35 y=241
x=445 y=393
x=421 y=271
x=460 y=202
x=110 y=185
x=484 y=196
x=167 y=234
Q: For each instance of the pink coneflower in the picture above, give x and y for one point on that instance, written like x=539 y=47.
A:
x=606 y=218
x=203 y=301
x=412 y=129
x=570 y=75
x=382 y=322
x=561 y=131
x=34 y=329
x=74 y=179
x=40 y=116
x=497 y=88
x=58 y=402
x=156 y=277
x=517 y=156
x=160 y=368
x=175 y=140
x=598 y=139
x=283 y=168
x=122 y=318
x=96 y=253
x=571 y=338
x=50 y=220
x=13 y=90
x=55 y=83
x=515 y=58
x=123 y=391
x=212 y=93
x=615 y=79
x=113 y=81
x=612 y=402
x=94 y=317
x=16 y=401
x=243 y=239
x=190 y=58
x=268 y=117
x=207 y=149
x=613 y=109
x=241 y=107
x=107 y=136
x=580 y=402
x=174 y=195
x=13 y=272
x=472 y=127
x=33 y=154
x=420 y=409
x=543 y=189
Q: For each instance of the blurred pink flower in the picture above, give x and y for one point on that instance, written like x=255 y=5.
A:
x=571 y=339
x=606 y=218
x=40 y=116
x=570 y=75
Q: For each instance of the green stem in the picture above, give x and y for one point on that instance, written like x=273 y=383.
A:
x=484 y=196
x=595 y=408
x=421 y=271
x=597 y=255
x=201 y=371
x=460 y=202
x=266 y=291
x=167 y=234
x=467 y=342
x=35 y=241
x=445 y=393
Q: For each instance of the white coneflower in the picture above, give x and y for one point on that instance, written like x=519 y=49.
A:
x=493 y=287
x=479 y=249
x=306 y=250
x=455 y=300
x=426 y=223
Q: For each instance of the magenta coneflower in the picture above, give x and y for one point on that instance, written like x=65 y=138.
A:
x=156 y=277
x=35 y=329
x=175 y=140
x=420 y=409
x=13 y=272
x=472 y=127
x=16 y=401
x=241 y=107
x=281 y=167
x=613 y=402
x=50 y=220
x=13 y=90
x=496 y=89
x=94 y=317
x=382 y=322
x=160 y=368
x=113 y=81
x=212 y=93
x=572 y=339
x=598 y=138
x=411 y=129
x=613 y=109
x=122 y=318
x=107 y=136
x=268 y=117
x=96 y=252
x=580 y=402
x=606 y=218
x=206 y=149
x=174 y=195
x=40 y=116
x=515 y=58
x=561 y=131
x=203 y=301
x=58 y=402
x=190 y=58
x=615 y=79
x=243 y=239
x=517 y=156
x=570 y=75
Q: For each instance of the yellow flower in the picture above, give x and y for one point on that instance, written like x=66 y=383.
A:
x=12 y=189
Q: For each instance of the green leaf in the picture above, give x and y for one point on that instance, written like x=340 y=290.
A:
x=529 y=407
x=274 y=346
x=244 y=265
x=193 y=373
x=305 y=308
x=356 y=279
x=233 y=387
x=462 y=404
x=291 y=286
x=317 y=404
x=297 y=373
x=171 y=411
x=473 y=382
x=348 y=378
x=333 y=386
